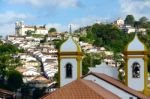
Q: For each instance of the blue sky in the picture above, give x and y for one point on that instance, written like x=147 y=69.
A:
x=60 y=13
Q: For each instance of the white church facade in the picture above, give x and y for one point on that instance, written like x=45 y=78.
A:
x=99 y=83
x=136 y=65
x=70 y=62
x=21 y=29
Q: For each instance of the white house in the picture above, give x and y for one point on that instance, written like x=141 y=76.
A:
x=21 y=29
x=105 y=69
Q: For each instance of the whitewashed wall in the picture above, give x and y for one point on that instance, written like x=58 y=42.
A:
x=110 y=87
x=136 y=83
x=63 y=63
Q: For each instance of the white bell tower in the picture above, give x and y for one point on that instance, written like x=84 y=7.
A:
x=70 y=62
x=136 y=65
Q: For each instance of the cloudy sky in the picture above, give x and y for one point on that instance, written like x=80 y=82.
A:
x=60 y=13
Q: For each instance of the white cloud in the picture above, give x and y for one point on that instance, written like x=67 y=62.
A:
x=138 y=8
x=7 y=29
x=42 y=3
x=61 y=28
x=89 y=20
x=9 y=17
x=77 y=23
x=7 y=21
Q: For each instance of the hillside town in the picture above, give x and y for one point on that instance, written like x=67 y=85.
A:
x=74 y=49
x=40 y=62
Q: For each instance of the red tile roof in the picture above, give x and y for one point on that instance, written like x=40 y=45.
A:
x=85 y=89
x=41 y=79
x=6 y=93
x=118 y=84
x=81 y=89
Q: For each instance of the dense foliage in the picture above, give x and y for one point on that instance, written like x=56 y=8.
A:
x=90 y=60
x=37 y=35
x=129 y=20
x=113 y=38
x=108 y=36
x=52 y=30
x=14 y=80
x=38 y=92
x=58 y=43
x=8 y=63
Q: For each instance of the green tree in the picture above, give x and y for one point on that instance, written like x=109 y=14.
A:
x=38 y=92
x=56 y=77
x=117 y=58
x=37 y=35
x=84 y=39
x=90 y=60
x=1 y=42
x=35 y=27
x=8 y=49
x=58 y=43
x=143 y=20
x=52 y=30
x=14 y=80
x=44 y=39
x=98 y=42
x=7 y=61
x=86 y=63
x=129 y=20
x=29 y=32
x=109 y=36
x=26 y=91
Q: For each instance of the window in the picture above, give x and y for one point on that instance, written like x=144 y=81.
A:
x=136 y=70
x=130 y=97
x=68 y=70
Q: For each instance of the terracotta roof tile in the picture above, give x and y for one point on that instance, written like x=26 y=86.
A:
x=41 y=79
x=21 y=69
x=81 y=89
x=118 y=84
x=100 y=90
x=3 y=91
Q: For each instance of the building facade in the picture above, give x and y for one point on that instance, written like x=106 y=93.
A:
x=21 y=29
x=70 y=62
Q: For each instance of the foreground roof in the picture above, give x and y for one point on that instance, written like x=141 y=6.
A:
x=81 y=89
x=88 y=89
x=119 y=85
x=6 y=94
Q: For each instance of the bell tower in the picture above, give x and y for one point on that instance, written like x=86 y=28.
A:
x=69 y=61
x=136 y=65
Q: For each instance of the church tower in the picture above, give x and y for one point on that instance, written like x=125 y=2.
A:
x=136 y=65
x=70 y=62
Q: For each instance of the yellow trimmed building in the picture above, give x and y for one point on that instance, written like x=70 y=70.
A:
x=70 y=61
x=136 y=74
x=100 y=85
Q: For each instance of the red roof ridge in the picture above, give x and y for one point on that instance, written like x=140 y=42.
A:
x=81 y=89
x=100 y=90
x=118 y=84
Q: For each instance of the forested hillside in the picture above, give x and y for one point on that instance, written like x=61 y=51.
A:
x=112 y=38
